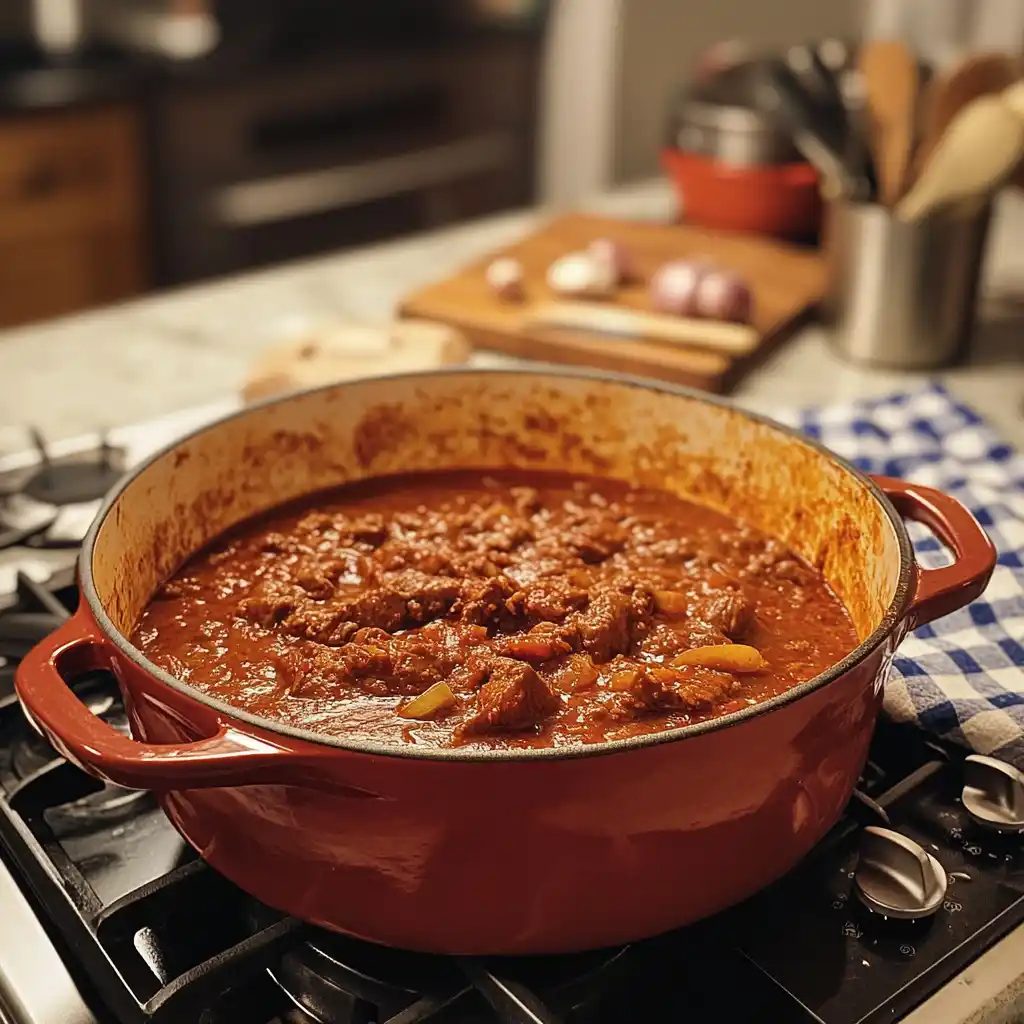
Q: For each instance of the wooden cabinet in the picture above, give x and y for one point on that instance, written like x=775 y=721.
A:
x=72 y=222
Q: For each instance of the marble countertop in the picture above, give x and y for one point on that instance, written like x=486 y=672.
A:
x=149 y=357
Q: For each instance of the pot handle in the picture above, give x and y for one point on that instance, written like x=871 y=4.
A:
x=228 y=758
x=938 y=592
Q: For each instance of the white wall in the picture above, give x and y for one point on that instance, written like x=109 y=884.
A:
x=613 y=65
x=662 y=40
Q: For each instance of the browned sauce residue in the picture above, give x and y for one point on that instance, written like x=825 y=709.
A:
x=542 y=609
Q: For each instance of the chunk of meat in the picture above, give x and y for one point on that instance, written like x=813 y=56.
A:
x=728 y=612
x=540 y=644
x=612 y=621
x=547 y=600
x=426 y=597
x=527 y=499
x=514 y=698
x=268 y=604
x=663 y=640
x=316 y=583
x=389 y=667
x=644 y=690
x=331 y=627
x=482 y=600
x=596 y=539
x=657 y=688
x=369 y=529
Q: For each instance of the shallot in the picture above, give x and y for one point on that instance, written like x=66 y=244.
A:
x=674 y=287
x=723 y=295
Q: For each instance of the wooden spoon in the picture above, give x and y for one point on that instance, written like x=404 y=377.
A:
x=891 y=81
x=979 y=150
x=949 y=92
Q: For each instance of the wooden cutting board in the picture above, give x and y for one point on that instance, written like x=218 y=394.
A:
x=786 y=282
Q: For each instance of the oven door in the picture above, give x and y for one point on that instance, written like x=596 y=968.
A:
x=340 y=154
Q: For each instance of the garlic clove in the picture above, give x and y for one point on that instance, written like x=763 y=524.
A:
x=505 y=278
x=580 y=275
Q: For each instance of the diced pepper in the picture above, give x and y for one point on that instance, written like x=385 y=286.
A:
x=429 y=703
x=738 y=658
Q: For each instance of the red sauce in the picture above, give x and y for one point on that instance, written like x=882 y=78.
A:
x=542 y=609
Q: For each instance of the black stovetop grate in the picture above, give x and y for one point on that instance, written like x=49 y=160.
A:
x=186 y=945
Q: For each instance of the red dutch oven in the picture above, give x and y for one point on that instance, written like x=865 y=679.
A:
x=531 y=851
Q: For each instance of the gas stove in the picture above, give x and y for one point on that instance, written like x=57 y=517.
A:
x=50 y=492
x=107 y=917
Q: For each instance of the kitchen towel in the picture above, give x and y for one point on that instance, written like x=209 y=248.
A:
x=960 y=678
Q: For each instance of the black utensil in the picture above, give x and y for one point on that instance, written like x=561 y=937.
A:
x=820 y=81
x=817 y=131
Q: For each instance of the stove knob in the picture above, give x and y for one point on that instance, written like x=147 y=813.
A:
x=896 y=877
x=994 y=793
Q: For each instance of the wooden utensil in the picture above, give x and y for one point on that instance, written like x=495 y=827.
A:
x=729 y=338
x=785 y=281
x=979 y=150
x=949 y=92
x=892 y=82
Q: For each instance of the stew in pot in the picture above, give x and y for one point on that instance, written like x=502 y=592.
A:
x=499 y=609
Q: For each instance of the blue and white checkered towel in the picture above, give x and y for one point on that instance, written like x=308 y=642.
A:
x=960 y=678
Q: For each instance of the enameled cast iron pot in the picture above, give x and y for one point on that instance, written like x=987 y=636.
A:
x=537 y=851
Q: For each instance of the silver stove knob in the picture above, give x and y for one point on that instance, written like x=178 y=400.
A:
x=994 y=793
x=896 y=877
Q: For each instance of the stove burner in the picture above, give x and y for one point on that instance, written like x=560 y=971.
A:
x=339 y=980
x=30 y=753
x=75 y=478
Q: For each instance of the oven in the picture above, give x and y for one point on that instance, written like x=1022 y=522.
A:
x=340 y=147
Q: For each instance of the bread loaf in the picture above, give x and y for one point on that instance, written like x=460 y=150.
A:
x=343 y=351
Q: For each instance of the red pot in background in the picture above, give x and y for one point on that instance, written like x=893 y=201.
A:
x=781 y=200
x=526 y=851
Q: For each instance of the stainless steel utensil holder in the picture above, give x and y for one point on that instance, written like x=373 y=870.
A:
x=903 y=295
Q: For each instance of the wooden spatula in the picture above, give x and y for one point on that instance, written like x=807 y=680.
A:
x=950 y=91
x=979 y=150
x=891 y=82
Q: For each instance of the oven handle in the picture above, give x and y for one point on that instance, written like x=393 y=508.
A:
x=271 y=200
x=229 y=757
x=938 y=592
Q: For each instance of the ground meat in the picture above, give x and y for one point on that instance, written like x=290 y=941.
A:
x=527 y=499
x=513 y=698
x=178 y=588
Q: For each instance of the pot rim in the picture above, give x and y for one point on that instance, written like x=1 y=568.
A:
x=894 y=614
